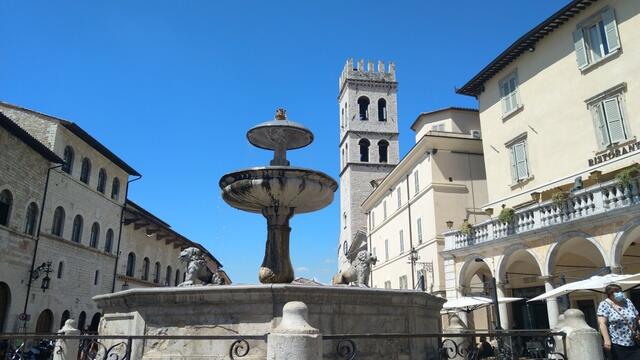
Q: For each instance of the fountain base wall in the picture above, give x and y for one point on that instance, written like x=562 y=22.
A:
x=257 y=310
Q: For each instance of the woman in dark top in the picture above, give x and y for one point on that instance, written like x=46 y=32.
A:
x=618 y=321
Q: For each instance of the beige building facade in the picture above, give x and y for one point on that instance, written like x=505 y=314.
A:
x=559 y=118
x=63 y=223
x=441 y=179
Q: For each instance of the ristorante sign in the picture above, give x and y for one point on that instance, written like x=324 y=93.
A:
x=614 y=153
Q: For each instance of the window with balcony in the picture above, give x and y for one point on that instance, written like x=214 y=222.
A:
x=509 y=94
x=519 y=165
x=596 y=38
x=609 y=120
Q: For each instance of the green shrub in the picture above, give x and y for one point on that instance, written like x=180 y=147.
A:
x=559 y=198
x=466 y=228
x=506 y=215
x=626 y=176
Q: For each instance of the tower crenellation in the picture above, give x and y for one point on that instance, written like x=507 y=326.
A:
x=358 y=71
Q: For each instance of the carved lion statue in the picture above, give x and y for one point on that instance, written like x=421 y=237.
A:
x=197 y=272
x=358 y=272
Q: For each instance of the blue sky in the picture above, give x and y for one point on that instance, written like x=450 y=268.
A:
x=172 y=87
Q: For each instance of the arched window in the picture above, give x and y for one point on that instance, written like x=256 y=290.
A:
x=5 y=301
x=167 y=276
x=363 y=107
x=44 y=324
x=108 y=241
x=131 y=264
x=95 y=322
x=57 y=227
x=342 y=117
x=60 y=269
x=82 y=320
x=156 y=273
x=6 y=201
x=30 y=219
x=85 y=171
x=102 y=180
x=76 y=233
x=383 y=147
x=364 y=150
x=145 y=269
x=345 y=248
x=382 y=109
x=115 y=188
x=68 y=160
x=95 y=235
x=66 y=315
x=177 y=279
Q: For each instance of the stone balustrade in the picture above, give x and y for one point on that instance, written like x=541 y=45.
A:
x=585 y=204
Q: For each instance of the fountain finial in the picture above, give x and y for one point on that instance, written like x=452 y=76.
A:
x=281 y=114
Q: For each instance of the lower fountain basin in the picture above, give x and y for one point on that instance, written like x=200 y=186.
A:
x=257 y=310
x=258 y=188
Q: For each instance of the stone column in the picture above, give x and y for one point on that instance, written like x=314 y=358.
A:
x=552 y=303
x=67 y=349
x=276 y=267
x=294 y=338
x=505 y=319
x=583 y=342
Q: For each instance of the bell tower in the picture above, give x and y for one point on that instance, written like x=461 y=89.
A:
x=368 y=145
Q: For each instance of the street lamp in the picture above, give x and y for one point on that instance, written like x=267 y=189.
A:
x=44 y=268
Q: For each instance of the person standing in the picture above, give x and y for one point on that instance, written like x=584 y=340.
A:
x=618 y=322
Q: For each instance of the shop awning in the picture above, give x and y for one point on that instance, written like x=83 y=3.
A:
x=471 y=303
x=594 y=283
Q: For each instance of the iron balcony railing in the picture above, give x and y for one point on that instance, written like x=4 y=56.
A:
x=18 y=346
x=507 y=345
x=585 y=204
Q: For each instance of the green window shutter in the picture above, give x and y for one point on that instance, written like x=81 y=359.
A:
x=521 y=160
x=611 y=30
x=614 y=119
x=514 y=169
x=601 y=125
x=581 y=50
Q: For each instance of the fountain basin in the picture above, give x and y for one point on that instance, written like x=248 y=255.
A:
x=258 y=188
x=257 y=310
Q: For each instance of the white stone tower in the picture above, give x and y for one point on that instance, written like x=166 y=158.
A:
x=368 y=145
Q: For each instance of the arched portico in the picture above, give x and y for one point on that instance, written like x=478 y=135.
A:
x=625 y=250
x=475 y=280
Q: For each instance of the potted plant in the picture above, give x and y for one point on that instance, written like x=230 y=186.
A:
x=465 y=228
x=506 y=214
x=559 y=198
x=625 y=177
x=535 y=196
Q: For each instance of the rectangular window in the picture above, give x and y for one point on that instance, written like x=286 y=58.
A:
x=609 y=120
x=373 y=220
x=416 y=181
x=95 y=277
x=519 y=166
x=374 y=251
x=419 y=226
x=387 y=284
x=386 y=250
x=509 y=93
x=596 y=38
x=401 y=237
x=384 y=210
x=399 y=196
x=403 y=282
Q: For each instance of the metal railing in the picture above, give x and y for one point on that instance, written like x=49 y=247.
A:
x=508 y=345
x=583 y=204
x=18 y=346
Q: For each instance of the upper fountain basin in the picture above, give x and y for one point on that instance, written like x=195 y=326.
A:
x=274 y=134
x=262 y=187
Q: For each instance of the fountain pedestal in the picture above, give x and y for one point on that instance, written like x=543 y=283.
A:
x=276 y=267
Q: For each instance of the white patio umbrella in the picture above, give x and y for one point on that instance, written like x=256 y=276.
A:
x=471 y=303
x=594 y=283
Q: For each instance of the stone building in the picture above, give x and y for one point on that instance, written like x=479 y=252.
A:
x=440 y=179
x=559 y=117
x=368 y=144
x=78 y=230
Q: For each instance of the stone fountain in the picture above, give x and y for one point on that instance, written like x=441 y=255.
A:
x=278 y=191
